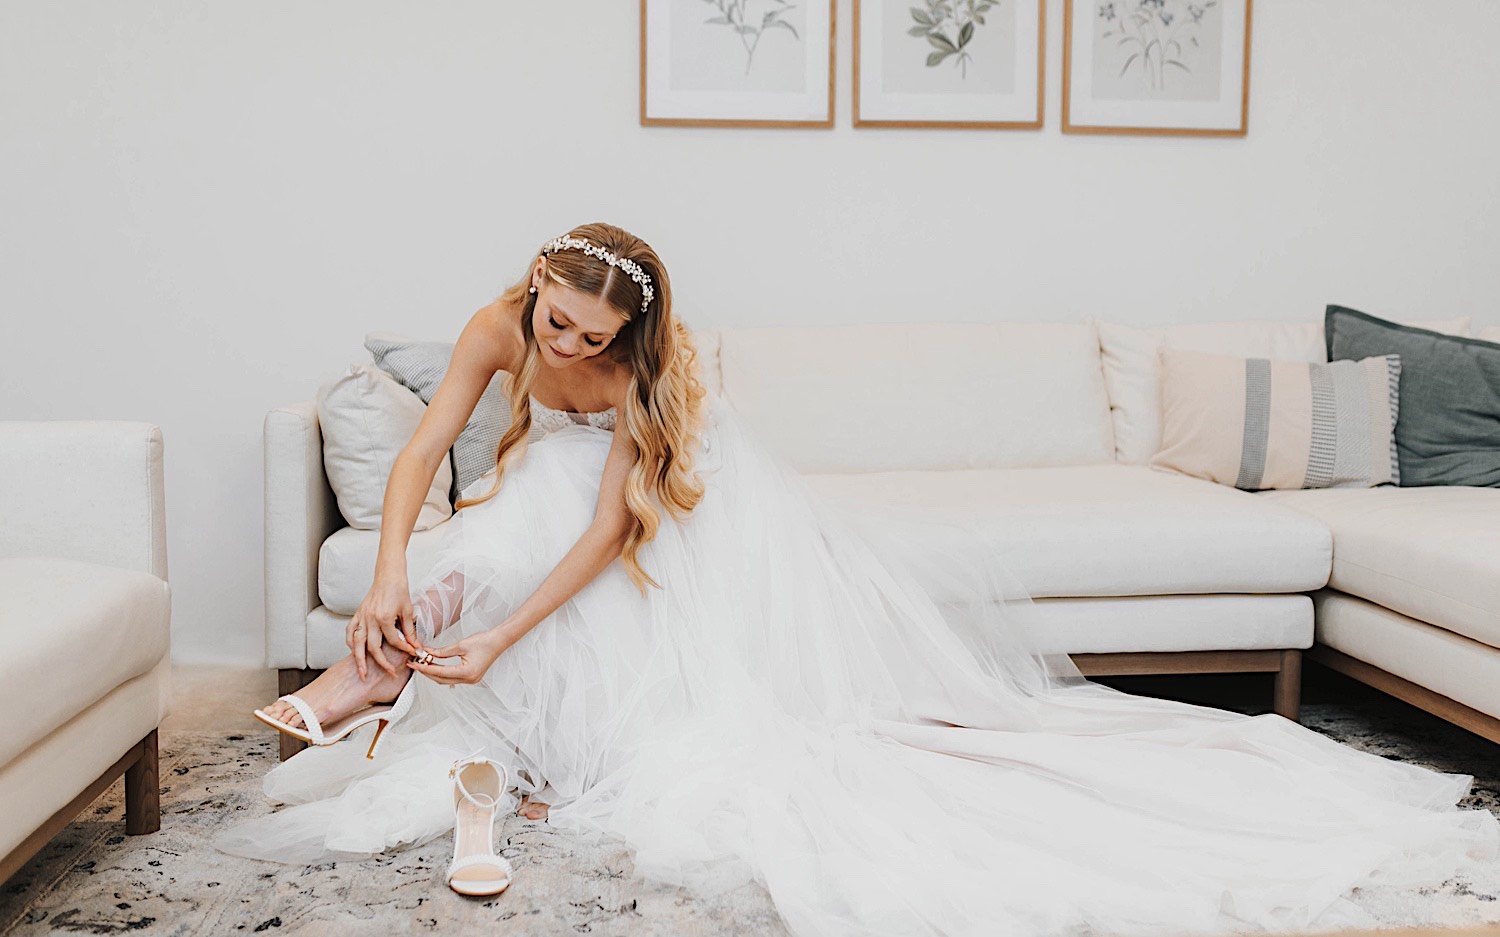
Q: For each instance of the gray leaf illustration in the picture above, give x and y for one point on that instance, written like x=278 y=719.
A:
x=738 y=16
x=942 y=42
x=942 y=19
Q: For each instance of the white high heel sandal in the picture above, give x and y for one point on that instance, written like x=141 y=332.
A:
x=478 y=785
x=313 y=733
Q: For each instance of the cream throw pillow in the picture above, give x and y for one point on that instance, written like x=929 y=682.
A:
x=1132 y=376
x=366 y=419
x=1255 y=423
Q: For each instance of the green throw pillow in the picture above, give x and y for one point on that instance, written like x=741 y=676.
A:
x=1448 y=432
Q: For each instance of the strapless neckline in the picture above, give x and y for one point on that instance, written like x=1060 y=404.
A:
x=551 y=419
x=571 y=412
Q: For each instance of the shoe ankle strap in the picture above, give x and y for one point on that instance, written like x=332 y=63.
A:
x=457 y=774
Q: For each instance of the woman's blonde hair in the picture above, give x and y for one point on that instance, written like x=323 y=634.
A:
x=664 y=406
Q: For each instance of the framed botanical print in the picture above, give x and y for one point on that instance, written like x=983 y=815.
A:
x=737 y=63
x=949 y=63
x=1156 y=67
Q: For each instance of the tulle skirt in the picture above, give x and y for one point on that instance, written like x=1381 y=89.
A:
x=864 y=728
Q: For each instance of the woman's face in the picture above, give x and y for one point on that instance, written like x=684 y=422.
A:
x=570 y=326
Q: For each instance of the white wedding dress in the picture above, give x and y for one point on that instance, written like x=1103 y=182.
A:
x=810 y=703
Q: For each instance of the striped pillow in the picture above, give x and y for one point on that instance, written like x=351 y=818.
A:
x=1255 y=423
x=420 y=367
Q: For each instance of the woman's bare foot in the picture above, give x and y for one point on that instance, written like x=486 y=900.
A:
x=338 y=691
x=532 y=809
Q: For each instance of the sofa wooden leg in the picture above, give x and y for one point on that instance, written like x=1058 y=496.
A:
x=291 y=680
x=143 y=790
x=1288 y=692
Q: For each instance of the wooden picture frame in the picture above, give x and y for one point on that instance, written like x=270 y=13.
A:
x=1156 y=67
x=737 y=63
x=912 y=61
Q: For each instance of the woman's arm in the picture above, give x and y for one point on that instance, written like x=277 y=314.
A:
x=386 y=614
x=601 y=544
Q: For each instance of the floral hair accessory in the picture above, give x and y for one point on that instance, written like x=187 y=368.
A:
x=630 y=267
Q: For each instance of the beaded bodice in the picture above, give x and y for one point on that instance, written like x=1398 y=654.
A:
x=551 y=420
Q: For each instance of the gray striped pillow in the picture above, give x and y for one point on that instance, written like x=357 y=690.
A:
x=1255 y=423
x=420 y=366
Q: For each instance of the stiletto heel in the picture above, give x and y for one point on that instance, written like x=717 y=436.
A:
x=314 y=734
x=478 y=785
x=375 y=742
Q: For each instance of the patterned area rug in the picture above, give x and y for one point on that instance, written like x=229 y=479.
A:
x=92 y=879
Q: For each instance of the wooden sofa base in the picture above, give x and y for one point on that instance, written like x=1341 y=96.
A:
x=1285 y=663
x=142 y=803
x=290 y=680
x=1444 y=707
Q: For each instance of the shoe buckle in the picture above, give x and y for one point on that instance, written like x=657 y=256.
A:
x=473 y=757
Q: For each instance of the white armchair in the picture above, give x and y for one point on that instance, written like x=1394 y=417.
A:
x=83 y=566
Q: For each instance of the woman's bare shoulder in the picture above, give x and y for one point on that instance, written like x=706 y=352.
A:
x=493 y=336
x=617 y=384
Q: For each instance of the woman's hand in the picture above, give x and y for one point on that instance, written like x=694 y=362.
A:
x=473 y=656
x=384 y=617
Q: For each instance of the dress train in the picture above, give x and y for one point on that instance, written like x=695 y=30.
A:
x=814 y=704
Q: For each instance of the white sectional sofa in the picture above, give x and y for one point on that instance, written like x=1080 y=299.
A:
x=83 y=574
x=1039 y=434
x=1413 y=603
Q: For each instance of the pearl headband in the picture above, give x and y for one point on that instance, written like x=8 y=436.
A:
x=625 y=264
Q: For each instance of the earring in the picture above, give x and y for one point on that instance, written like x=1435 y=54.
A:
x=532 y=291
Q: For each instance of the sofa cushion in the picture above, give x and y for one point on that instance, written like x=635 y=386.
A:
x=99 y=626
x=1129 y=356
x=1449 y=433
x=1170 y=623
x=1430 y=553
x=44 y=778
x=346 y=564
x=1259 y=423
x=1431 y=657
x=1108 y=529
x=92 y=490
x=707 y=343
x=325 y=638
x=909 y=397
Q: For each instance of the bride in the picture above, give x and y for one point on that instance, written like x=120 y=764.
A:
x=647 y=629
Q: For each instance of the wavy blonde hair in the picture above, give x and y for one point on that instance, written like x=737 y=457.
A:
x=664 y=405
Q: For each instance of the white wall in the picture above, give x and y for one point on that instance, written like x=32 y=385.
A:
x=204 y=205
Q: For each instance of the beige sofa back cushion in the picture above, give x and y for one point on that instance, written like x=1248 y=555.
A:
x=874 y=398
x=707 y=343
x=88 y=490
x=1132 y=369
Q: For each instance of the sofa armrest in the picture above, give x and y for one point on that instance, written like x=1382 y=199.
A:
x=89 y=490
x=300 y=514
